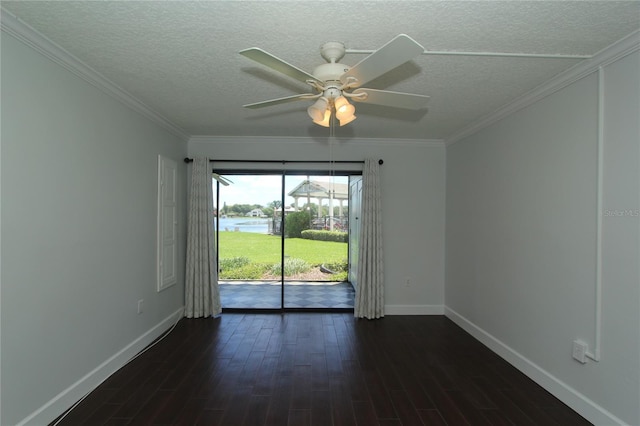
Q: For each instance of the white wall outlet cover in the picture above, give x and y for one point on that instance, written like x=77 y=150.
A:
x=579 y=352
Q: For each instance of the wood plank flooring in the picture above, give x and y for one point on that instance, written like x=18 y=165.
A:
x=319 y=369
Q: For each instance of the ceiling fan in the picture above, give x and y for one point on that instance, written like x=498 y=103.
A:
x=333 y=83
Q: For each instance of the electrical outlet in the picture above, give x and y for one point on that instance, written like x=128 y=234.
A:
x=140 y=306
x=579 y=351
x=407 y=282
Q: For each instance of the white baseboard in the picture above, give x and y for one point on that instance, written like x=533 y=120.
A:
x=565 y=393
x=414 y=310
x=65 y=399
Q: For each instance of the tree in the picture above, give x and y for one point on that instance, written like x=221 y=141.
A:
x=295 y=223
x=243 y=209
x=268 y=211
x=311 y=208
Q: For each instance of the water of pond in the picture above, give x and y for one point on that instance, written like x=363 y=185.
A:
x=245 y=224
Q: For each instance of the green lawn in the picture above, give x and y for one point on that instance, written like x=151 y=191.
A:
x=251 y=256
x=262 y=248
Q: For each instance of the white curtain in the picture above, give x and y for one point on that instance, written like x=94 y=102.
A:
x=201 y=293
x=369 y=300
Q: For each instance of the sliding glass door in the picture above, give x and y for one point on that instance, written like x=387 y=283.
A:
x=283 y=240
x=249 y=248
x=316 y=242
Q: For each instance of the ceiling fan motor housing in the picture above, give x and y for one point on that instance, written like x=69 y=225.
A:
x=330 y=72
x=332 y=52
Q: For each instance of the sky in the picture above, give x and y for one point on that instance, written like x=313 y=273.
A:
x=263 y=189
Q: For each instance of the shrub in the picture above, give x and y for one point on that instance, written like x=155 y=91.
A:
x=337 y=266
x=250 y=271
x=292 y=266
x=340 y=270
x=295 y=223
x=232 y=263
x=336 y=236
x=340 y=276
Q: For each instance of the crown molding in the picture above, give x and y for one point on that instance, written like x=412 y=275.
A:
x=283 y=140
x=15 y=27
x=606 y=56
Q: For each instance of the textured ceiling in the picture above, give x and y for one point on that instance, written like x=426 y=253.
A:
x=180 y=58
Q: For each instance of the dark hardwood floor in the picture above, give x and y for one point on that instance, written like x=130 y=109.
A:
x=319 y=369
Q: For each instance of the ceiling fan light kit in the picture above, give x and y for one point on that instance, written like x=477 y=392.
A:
x=334 y=82
x=320 y=112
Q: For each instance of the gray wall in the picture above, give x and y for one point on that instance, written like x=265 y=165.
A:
x=522 y=239
x=412 y=184
x=78 y=173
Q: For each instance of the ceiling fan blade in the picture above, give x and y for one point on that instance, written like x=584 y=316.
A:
x=280 y=100
x=392 y=99
x=277 y=64
x=395 y=53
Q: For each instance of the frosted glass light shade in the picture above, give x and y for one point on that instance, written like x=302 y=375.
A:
x=340 y=103
x=344 y=110
x=347 y=120
x=326 y=119
x=317 y=110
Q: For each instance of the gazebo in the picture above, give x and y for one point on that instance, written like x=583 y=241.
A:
x=331 y=191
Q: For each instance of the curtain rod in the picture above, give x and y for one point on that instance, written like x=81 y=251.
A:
x=189 y=160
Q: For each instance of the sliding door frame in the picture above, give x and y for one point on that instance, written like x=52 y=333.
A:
x=284 y=173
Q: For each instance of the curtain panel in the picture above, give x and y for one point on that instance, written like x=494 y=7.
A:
x=202 y=296
x=369 y=300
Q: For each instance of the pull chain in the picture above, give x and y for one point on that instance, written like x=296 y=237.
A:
x=332 y=135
